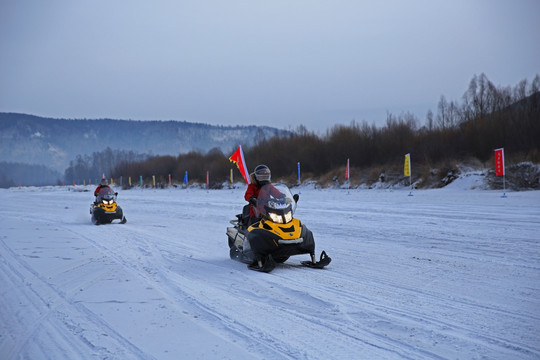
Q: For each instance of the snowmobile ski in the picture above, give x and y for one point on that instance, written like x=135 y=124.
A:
x=323 y=261
x=263 y=266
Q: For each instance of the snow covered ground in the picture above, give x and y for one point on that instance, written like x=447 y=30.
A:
x=442 y=274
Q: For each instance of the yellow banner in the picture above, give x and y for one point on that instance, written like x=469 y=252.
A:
x=407 y=166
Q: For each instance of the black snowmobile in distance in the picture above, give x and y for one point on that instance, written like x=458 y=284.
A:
x=105 y=209
x=276 y=236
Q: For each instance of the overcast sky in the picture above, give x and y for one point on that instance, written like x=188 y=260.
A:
x=280 y=63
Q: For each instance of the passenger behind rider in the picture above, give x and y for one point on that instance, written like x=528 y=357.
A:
x=259 y=178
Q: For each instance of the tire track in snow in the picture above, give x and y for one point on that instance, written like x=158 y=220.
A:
x=146 y=261
x=180 y=278
x=376 y=283
x=59 y=305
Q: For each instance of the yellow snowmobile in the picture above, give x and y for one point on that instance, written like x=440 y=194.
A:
x=276 y=235
x=105 y=209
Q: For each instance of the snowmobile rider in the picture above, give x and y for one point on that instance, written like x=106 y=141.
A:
x=103 y=184
x=258 y=178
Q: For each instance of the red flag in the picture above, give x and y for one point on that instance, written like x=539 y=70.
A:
x=499 y=162
x=238 y=159
x=347 y=170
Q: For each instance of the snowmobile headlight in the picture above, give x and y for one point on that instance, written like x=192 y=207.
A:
x=279 y=215
x=107 y=202
x=288 y=217
x=278 y=219
x=281 y=218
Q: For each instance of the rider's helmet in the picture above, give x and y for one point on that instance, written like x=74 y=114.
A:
x=104 y=182
x=262 y=174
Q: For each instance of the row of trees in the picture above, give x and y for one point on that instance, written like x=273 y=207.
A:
x=91 y=167
x=488 y=117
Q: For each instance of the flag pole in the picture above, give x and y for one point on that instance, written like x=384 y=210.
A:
x=504 y=186
x=348 y=175
x=410 y=176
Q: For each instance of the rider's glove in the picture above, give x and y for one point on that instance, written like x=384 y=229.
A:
x=253 y=201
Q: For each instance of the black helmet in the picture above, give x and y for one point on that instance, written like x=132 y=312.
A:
x=262 y=174
x=104 y=182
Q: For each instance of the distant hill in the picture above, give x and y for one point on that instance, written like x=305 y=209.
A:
x=29 y=139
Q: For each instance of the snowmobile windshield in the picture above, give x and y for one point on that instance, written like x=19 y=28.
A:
x=105 y=193
x=276 y=203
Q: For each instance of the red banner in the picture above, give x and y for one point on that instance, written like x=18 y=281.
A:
x=238 y=159
x=499 y=162
x=347 y=171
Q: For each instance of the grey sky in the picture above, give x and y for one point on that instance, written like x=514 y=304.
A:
x=277 y=63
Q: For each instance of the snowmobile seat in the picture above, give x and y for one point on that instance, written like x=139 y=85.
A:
x=245 y=215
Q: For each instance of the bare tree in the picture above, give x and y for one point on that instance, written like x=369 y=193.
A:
x=442 y=112
x=429 y=120
x=452 y=114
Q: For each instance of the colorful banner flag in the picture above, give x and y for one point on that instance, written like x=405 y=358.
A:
x=407 y=166
x=499 y=162
x=207 y=178
x=298 y=167
x=185 y=177
x=347 y=171
x=238 y=159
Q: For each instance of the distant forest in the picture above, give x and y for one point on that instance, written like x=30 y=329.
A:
x=25 y=171
x=488 y=117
